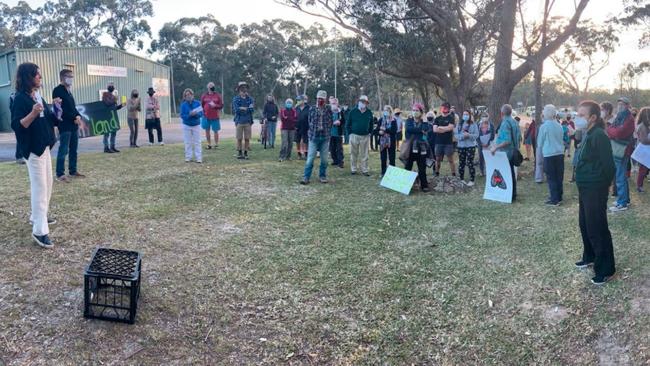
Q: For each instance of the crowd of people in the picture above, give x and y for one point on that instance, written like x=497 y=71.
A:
x=603 y=140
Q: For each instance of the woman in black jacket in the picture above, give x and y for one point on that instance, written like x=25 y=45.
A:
x=34 y=123
x=387 y=138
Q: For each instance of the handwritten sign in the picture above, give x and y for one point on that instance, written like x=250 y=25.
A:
x=642 y=154
x=498 y=178
x=398 y=179
x=97 y=119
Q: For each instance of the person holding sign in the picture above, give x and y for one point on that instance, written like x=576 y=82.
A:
x=595 y=170
x=110 y=100
x=33 y=122
x=643 y=137
x=68 y=128
x=508 y=140
x=467 y=134
x=416 y=141
x=191 y=113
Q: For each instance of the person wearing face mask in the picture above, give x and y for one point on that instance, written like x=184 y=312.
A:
x=359 y=125
x=68 y=128
x=594 y=171
x=242 y=107
x=152 y=116
x=466 y=134
x=387 y=138
x=621 y=133
x=336 y=139
x=133 y=107
x=191 y=113
x=289 y=118
x=508 y=140
x=320 y=127
x=33 y=123
x=110 y=100
x=550 y=141
x=444 y=126
x=485 y=137
x=270 y=115
x=416 y=135
x=212 y=105
x=400 y=127
x=302 y=128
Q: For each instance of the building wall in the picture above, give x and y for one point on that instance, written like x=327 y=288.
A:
x=86 y=88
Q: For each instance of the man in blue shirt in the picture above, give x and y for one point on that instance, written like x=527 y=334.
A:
x=242 y=108
x=508 y=139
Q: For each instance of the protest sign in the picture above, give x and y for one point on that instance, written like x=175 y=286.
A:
x=97 y=119
x=398 y=179
x=498 y=178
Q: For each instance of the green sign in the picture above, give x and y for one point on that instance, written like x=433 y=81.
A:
x=398 y=179
x=97 y=119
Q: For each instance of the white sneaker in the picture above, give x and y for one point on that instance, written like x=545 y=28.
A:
x=470 y=184
x=151 y=144
x=162 y=143
x=618 y=208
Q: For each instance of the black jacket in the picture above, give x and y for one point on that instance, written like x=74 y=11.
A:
x=40 y=134
x=69 y=108
x=270 y=112
x=303 y=118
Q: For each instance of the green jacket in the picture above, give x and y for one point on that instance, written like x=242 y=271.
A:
x=359 y=123
x=595 y=162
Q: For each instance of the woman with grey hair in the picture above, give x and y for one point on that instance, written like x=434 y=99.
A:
x=550 y=140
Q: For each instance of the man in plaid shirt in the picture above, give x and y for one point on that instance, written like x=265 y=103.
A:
x=320 y=125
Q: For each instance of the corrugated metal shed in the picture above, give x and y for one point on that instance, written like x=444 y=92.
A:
x=140 y=73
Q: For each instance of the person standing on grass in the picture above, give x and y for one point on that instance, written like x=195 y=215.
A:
x=551 y=141
x=336 y=139
x=243 y=108
x=133 y=107
x=212 y=104
x=485 y=137
x=528 y=139
x=110 y=101
x=289 y=118
x=68 y=128
x=621 y=133
x=400 y=127
x=302 y=130
x=643 y=137
x=33 y=123
x=270 y=115
x=416 y=133
x=467 y=134
x=387 y=138
x=320 y=125
x=594 y=172
x=359 y=125
x=191 y=113
x=152 y=116
x=444 y=126
x=508 y=139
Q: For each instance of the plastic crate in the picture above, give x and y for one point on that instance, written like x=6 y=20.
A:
x=112 y=285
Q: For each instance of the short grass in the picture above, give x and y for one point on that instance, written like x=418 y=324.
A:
x=244 y=266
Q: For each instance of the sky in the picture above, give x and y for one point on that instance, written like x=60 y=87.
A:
x=247 y=11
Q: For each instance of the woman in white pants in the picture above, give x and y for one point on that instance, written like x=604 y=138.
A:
x=191 y=113
x=33 y=123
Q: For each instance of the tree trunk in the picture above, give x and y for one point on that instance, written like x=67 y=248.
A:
x=501 y=86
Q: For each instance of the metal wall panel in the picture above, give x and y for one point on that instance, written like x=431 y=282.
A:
x=86 y=87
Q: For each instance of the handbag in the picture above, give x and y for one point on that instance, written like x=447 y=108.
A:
x=618 y=149
x=405 y=150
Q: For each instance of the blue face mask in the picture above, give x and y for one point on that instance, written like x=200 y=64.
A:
x=465 y=117
x=289 y=105
x=385 y=113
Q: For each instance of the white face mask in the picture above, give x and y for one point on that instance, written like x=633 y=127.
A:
x=603 y=114
x=362 y=106
x=68 y=81
x=581 y=123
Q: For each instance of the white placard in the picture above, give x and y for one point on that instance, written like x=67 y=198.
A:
x=161 y=86
x=498 y=178
x=102 y=70
x=642 y=154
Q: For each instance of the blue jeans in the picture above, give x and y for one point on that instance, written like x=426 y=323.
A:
x=271 y=127
x=112 y=135
x=68 y=144
x=320 y=144
x=622 y=186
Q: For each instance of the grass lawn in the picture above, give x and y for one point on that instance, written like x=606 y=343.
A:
x=242 y=265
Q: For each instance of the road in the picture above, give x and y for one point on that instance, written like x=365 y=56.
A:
x=172 y=134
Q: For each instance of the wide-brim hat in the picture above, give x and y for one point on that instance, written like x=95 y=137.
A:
x=397 y=111
x=242 y=83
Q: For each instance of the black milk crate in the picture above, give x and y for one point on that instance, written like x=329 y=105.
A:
x=112 y=285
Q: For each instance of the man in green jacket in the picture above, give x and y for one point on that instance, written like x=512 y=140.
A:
x=359 y=126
